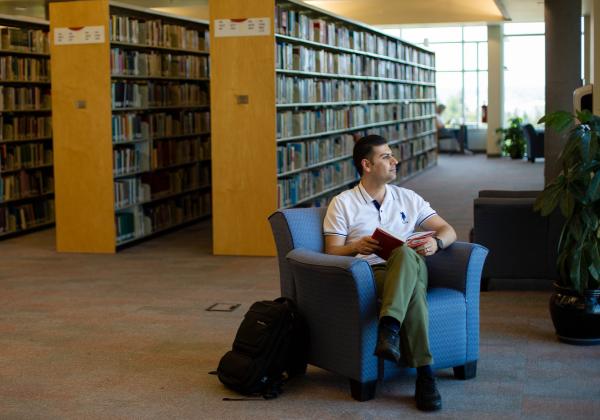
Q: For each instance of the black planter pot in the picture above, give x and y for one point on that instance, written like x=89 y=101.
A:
x=576 y=318
x=516 y=155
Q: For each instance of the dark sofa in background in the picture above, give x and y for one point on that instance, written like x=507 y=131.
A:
x=535 y=142
x=522 y=244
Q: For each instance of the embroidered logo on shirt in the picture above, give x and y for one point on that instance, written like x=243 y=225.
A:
x=404 y=218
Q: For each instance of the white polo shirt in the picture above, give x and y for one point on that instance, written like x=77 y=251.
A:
x=353 y=215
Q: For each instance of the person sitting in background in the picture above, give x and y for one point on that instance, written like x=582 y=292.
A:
x=443 y=132
x=450 y=133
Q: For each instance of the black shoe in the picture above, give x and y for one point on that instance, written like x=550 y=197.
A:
x=388 y=344
x=426 y=394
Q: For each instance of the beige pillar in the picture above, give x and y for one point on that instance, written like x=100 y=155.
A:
x=495 y=87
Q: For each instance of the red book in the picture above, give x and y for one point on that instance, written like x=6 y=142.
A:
x=389 y=242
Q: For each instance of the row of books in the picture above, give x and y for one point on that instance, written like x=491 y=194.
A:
x=423 y=144
x=292 y=189
x=129 y=191
x=14 y=218
x=131 y=224
x=24 y=69
x=126 y=62
x=160 y=94
x=307 y=122
x=25 y=184
x=27 y=155
x=407 y=149
x=24 y=40
x=131 y=159
x=24 y=98
x=137 y=222
x=305 y=24
x=302 y=154
x=179 y=151
x=298 y=57
x=298 y=155
x=155 y=32
x=131 y=126
x=176 y=180
x=152 y=186
x=416 y=164
x=414 y=128
x=294 y=89
x=179 y=210
x=24 y=127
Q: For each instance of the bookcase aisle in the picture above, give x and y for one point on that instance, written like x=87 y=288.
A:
x=324 y=82
x=132 y=124
x=26 y=175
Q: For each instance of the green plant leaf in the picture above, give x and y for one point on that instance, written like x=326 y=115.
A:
x=547 y=201
x=575 y=270
x=570 y=153
x=575 y=229
x=583 y=271
x=584 y=116
x=593 y=192
x=590 y=219
x=567 y=204
x=562 y=266
x=595 y=146
x=594 y=256
x=583 y=135
x=559 y=120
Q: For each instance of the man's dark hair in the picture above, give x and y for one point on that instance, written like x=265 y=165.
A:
x=363 y=149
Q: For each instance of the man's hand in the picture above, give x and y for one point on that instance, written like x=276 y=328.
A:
x=428 y=246
x=366 y=245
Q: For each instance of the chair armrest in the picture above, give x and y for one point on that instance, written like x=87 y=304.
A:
x=457 y=267
x=460 y=267
x=337 y=295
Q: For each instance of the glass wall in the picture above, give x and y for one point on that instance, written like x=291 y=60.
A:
x=461 y=62
x=524 y=71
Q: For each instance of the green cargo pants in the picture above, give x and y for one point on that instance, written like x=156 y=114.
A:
x=402 y=288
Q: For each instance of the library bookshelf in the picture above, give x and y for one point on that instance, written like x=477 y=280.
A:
x=289 y=105
x=26 y=173
x=131 y=122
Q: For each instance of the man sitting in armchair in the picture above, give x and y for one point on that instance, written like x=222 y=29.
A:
x=352 y=217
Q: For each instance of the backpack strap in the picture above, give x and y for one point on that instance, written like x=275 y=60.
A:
x=273 y=390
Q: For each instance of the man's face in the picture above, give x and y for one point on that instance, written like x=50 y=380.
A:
x=382 y=165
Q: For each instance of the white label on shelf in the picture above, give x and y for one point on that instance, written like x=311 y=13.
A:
x=242 y=27
x=82 y=35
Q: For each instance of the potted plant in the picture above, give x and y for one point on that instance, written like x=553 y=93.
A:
x=512 y=142
x=575 y=305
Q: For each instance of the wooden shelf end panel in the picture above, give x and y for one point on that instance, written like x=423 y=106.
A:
x=244 y=190
x=81 y=105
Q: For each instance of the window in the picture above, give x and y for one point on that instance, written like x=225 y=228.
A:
x=461 y=64
x=524 y=71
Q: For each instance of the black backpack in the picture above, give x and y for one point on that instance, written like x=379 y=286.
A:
x=271 y=345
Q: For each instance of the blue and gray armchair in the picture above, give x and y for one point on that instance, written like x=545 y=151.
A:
x=338 y=298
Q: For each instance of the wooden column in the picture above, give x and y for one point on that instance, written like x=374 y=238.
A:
x=81 y=120
x=244 y=164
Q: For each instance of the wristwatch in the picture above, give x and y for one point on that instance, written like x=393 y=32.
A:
x=439 y=242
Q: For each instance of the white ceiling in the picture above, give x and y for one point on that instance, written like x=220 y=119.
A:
x=518 y=10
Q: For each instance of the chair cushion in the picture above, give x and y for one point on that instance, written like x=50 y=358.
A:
x=447 y=331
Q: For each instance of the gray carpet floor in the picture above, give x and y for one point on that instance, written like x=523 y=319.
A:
x=127 y=336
